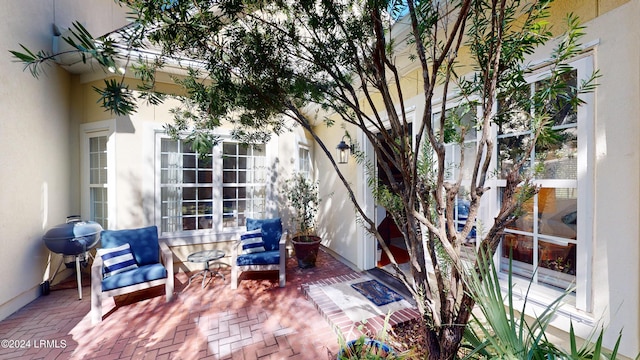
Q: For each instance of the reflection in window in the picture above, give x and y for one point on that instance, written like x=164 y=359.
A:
x=243 y=186
x=190 y=186
x=545 y=235
x=186 y=194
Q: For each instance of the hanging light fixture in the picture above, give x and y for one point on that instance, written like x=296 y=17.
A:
x=343 y=151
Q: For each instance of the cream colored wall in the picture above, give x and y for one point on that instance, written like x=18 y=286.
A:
x=336 y=220
x=616 y=196
x=38 y=184
x=135 y=175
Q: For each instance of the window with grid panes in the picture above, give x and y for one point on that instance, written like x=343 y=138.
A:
x=304 y=161
x=98 y=204
x=543 y=242
x=244 y=177
x=212 y=192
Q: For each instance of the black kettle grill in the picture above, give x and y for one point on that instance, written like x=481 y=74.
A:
x=72 y=240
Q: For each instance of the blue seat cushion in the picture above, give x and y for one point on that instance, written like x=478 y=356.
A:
x=143 y=241
x=271 y=231
x=142 y=274
x=259 y=258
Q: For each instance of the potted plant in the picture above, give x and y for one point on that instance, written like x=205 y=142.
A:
x=302 y=196
x=370 y=348
x=366 y=348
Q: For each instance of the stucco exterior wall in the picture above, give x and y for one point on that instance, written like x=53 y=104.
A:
x=37 y=135
x=616 y=193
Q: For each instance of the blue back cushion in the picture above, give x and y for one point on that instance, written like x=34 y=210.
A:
x=144 y=243
x=271 y=231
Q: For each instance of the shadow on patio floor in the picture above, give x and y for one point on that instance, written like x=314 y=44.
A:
x=259 y=320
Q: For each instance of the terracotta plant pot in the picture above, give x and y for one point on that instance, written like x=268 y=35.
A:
x=306 y=248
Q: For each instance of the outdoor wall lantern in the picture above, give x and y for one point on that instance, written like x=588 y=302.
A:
x=344 y=151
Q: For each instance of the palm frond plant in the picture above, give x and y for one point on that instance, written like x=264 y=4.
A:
x=501 y=332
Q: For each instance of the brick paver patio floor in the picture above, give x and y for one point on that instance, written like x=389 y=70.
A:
x=257 y=321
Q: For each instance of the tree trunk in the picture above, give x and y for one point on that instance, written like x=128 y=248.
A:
x=445 y=346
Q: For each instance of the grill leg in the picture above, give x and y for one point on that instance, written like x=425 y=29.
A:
x=79 y=277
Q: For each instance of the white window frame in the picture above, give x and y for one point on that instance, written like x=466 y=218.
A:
x=92 y=130
x=250 y=171
x=582 y=301
x=217 y=188
x=304 y=159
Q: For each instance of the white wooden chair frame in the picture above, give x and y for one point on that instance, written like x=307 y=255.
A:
x=166 y=258
x=236 y=270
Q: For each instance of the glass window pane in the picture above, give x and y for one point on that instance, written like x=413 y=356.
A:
x=189 y=193
x=258 y=150
x=558 y=257
x=451 y=160
x=558 y=159
x=168 y=145
x=229 y=193
x=94 y=175
x=514 y=111
x=520 y=246
x=229 y=163
x=205 y=163
x=189 y=176
x=229 y=148
x=205 y=193
x=94 y=160
x=205 y=177
x=205 y=222
x=242 y=205
x=511 y=150
x=188 y=208
x=229 y=177
x=94 y=145
x=562 y=111
x=103 y=176
x=186 y=147
x=188 y=223
x=189 y=161
x=558 y=211
x=469 y=159
x=525 y=221
x=204 y=208
x=468 y=120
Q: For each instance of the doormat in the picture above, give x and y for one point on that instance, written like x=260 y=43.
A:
x=376 y=292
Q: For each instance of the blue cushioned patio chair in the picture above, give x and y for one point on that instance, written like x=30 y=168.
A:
x=152 y=265
x=273 y=258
